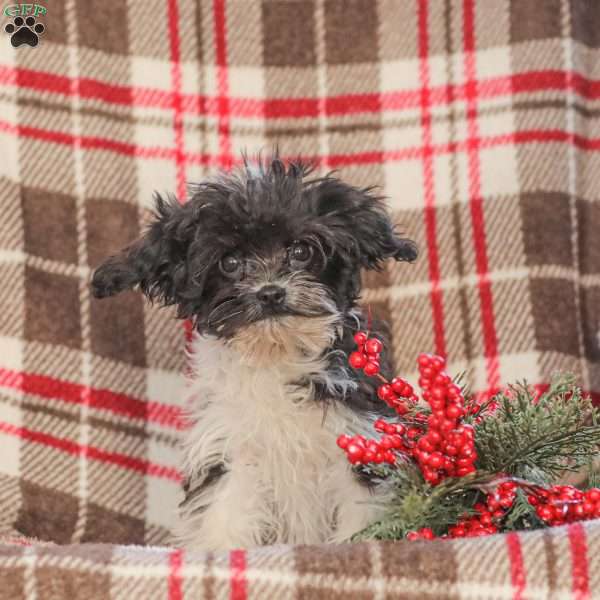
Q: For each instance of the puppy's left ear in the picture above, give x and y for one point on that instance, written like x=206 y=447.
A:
x=367 y=224
x=377 y=237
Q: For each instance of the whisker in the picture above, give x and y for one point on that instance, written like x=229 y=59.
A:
x=219 y=307
x=225 y=317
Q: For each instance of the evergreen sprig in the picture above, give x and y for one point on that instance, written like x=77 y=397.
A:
x=538 y=438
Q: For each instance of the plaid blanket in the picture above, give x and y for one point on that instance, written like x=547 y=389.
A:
x=480 y=121
x=557 y=563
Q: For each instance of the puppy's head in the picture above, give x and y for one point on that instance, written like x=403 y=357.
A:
x=260 y=257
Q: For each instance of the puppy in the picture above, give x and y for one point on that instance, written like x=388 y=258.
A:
x=265 y=262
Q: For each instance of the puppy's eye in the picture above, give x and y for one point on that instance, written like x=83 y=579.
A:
x=230 y=265
x=300 y=254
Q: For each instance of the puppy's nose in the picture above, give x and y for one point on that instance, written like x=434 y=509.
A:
x=271 y=295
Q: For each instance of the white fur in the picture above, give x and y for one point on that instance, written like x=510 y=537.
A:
x=286 y=481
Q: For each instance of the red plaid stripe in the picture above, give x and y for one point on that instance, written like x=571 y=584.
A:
x=517 y=568
x=225 y=158
x=180 y=159
x=579 y=562
x=476 y=200
x=427 y=152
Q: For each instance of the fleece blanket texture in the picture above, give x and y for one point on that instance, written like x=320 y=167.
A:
x=479 y=120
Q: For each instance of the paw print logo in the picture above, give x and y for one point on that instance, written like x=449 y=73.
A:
x=24 y=31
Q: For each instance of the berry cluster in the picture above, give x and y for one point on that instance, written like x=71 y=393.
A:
x=361 y=451
x=564 y=504
x=366 y=357
x=489 y=513
x=556 y=505
x=441 y=444
x=447 y=448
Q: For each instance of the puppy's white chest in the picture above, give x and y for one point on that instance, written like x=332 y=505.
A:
x=284 y=471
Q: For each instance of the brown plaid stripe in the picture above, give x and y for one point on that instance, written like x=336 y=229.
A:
x=479 y=120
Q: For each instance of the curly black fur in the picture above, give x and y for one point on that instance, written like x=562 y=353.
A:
x=256 y=213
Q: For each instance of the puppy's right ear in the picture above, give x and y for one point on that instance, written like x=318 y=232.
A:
x=154 y=262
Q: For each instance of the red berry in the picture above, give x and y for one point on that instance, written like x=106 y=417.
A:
x=371 y=368
x=422 y=456
x=400 y=429
x=343 y=441
x=463 y=471
x=424 y=360
x=434 y=437
x=400 y=408
x=381 y=426
x=433 y=422
x=427 y=533
x=413 y=433
x=544 y=512
x=446 y=426
x=437 y=362
x=438 y=392
x=593 y=494
x=454 y=411
x=454 y=391
x=373 y=347
x=467 y=451
x=385 y=392
x=357 y=360
x=442 y=379
x=354 y=450
x=368 y=456
x=425 y=445
x=390 y=457
x=427 y=372
x=451 y=450
x=424 y=383
x=458 y=531
x=398 y=385
x=397 y=441
x=463 y=462
x=386 y=443
x=389 y=428
x=492 y=503
x=431 y=476
x=360 y=338
x=449 y=465
x=486 y=519
x=412 y=536
x=373 y=445
x=469 y=433
x=533 y=500
x=436 y=460
x=440 y=414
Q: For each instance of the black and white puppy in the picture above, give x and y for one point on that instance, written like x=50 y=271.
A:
x=265 y=261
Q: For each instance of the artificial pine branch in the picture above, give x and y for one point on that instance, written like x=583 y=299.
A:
x=544 y=437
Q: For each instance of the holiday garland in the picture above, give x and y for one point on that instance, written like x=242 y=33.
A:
x=451 y=466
